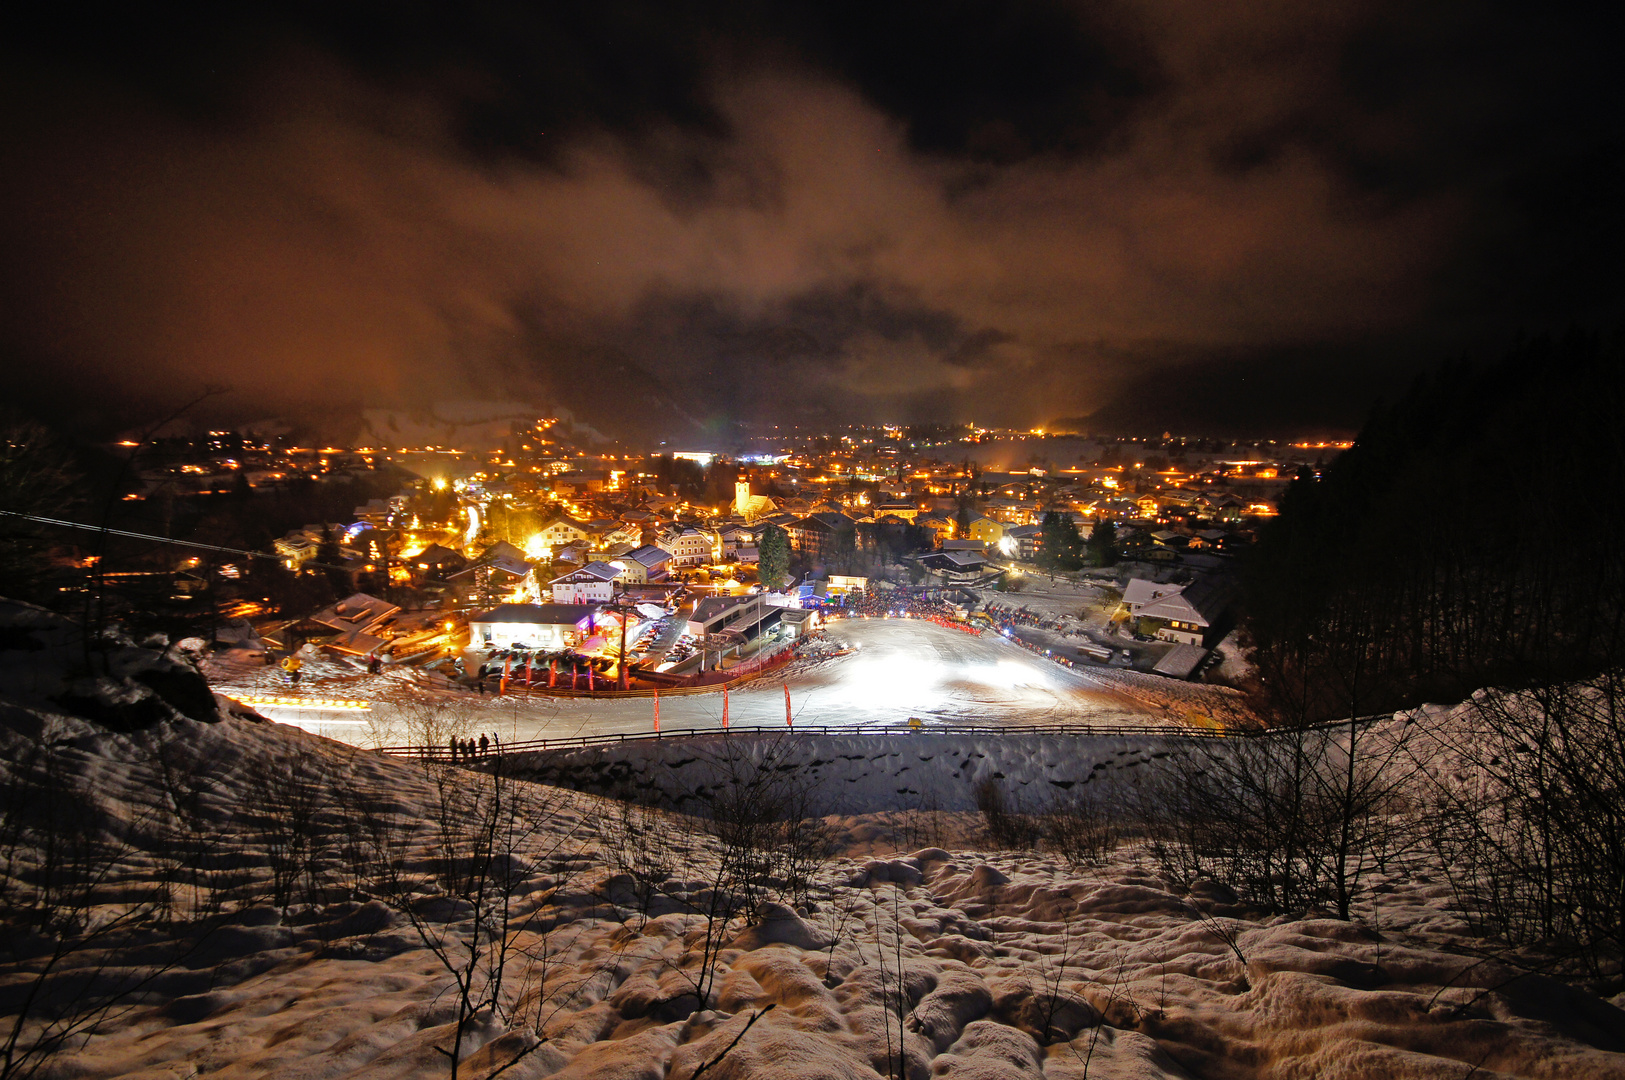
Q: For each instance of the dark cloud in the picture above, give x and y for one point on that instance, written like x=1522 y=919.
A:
x=670 y=216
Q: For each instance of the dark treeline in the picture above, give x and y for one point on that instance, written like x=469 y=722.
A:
x=1471 y=537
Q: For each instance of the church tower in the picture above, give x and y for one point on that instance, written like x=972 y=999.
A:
x=741 y=496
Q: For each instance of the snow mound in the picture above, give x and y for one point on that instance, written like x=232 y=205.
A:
x=50 y=665
x=948 y=962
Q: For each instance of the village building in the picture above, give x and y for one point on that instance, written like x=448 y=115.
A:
x=1022 y=541
x=688 y=546
x=748 y=506
x=532 y=626
x=592 y=584
x=362 y=623
x=816 y=535
x=955 y=565
x=296 y=549
x=559 y=531
x=983 y=529
x=1186 y=615
x=644 y=564
x=734 y=536
x=434 y=563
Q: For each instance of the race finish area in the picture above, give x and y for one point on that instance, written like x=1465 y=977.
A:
x=888 y=672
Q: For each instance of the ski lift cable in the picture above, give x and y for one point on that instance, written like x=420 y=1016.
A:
x=155 y=539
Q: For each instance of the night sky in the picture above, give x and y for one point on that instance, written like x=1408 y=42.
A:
x=1204 y=216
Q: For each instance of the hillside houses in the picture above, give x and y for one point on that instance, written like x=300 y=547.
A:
x=689 y=546
x=1184 y=614
x=592 y=584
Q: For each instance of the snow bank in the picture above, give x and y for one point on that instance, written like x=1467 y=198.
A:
x=861 y=774
x=48 y=667
x=943 y=962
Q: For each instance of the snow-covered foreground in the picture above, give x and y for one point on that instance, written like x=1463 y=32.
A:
x=936 y=963
x=867 y=773
x=896 y=669
x=307 y=909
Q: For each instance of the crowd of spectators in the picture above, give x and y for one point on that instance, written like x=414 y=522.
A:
x=900 y=604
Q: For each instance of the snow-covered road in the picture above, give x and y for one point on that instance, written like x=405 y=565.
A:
x=896 y=669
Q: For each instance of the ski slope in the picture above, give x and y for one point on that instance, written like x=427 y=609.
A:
x=890 y=670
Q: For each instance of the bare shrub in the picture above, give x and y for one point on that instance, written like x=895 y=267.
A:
x=1532 y=833
x=753 y=840
x=1008 y=826
x=461 y=885
x=638 y=841
x=74 y=902
x=285 y=793
x=194 y=829
x=425 y=721
x=1082 y=828
x=1291 y=819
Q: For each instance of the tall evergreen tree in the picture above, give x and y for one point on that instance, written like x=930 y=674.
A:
x=1061 y=547
x=331 y=556
x=1103 y=544
x=774 y=551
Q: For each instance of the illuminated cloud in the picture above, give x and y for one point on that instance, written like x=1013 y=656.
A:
x=670 y=221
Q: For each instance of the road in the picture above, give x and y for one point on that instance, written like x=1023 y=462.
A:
x=895 y=669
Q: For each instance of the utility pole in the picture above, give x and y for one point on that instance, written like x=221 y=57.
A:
x=621 y=666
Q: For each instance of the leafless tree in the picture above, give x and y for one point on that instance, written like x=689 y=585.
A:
x=752 y=840
x=72 y=906
x=1290 y=819
x=1082 y=827
x=1008 y=825
x=1531 y=831
x=286 y=793
x=461 y=885
x=424 y=721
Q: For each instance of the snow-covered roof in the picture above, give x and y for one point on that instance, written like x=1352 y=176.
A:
x=357 y=611
x=593 y=571
x=1199 y=603
x=536 y=614
x=1180 y=661
x=1139 y=591
x=649 y=555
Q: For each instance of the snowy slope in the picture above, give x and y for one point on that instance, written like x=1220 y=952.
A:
x=861 y=774
x=965 y=963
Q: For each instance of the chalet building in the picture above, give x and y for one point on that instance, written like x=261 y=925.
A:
x=816 y=535
x=592 y=584
x=644 y=564
x=296 y=549
x=504 y=550
x=940 y=528
x=955 y=565
x=734 y=536
x=501 y=568
x=1185 y=615
x=532 y=626
x=610 y=533
x=434 y=563
x=688 y=546
x=743 y=614
x=362 y=623
x=559 y=531
x=1022 y=541
x=1140 y=592
x=983 y=529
